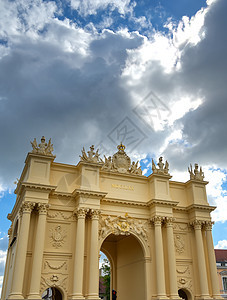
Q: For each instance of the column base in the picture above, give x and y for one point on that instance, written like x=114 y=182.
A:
x=164 y=297
x=34 y=297
x=76 y=297
x=93 y=297
x=206 y=297
x=15 y=296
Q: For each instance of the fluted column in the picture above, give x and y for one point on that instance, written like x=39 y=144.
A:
x=93 y=288
x=21 y=252
x=171 y=259
x=38 y=252
x=201 y=259
x=79 y=255
x=212 y=261
x=161 y=288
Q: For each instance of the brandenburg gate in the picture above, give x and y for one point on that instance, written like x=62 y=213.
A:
x=155 y=232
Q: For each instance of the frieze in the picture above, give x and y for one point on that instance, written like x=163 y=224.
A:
x=57 y=236
x=180 y=227
x=60 y=215
x=122 y=226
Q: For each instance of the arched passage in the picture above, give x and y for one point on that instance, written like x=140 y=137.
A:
x=52 y=293
x=184 y=294
x=127 y=266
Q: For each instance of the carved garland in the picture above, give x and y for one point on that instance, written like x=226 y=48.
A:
x=55 y=267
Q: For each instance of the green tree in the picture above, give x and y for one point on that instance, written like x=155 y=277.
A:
x=106 y=277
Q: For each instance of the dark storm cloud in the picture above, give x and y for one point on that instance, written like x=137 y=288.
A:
x=45 y=92
x=204 y=75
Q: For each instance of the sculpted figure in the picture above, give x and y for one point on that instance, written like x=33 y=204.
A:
x=43 y=148
x=198 y=174
x=108 y=165
x=154 y=169
x=91 y=156
x=166 y=169
x=160 y=164
x=34 y=146
x=163 y=168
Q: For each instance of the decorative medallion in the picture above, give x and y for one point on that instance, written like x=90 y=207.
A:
x=57 y=236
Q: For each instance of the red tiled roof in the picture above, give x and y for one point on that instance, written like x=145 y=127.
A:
x=221 y=255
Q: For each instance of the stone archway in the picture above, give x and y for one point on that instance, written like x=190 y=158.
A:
x=52 y=293
x=128 y=266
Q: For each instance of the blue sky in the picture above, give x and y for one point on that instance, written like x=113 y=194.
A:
x=149 y=73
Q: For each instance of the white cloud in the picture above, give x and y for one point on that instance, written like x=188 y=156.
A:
x=90 y=7
x=221 y=244
x=2 y=266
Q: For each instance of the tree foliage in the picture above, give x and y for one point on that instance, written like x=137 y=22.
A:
x=106 y=277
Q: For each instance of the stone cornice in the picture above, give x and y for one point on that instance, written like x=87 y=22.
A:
x=130 y=175
x=93 y=164
x=196 y=182
x=80 y=192
x=195 y=207
x=23 y=186
x=61 y=195
x=162 y=202
x=43 y=156
x=153 y=175
x=124 y=202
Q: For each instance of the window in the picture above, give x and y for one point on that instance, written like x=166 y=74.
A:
x=224 y=281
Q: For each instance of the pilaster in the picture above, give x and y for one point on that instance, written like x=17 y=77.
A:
x=204 y=291
x=79 y=255
x=93 y=286
x=38 y=252
x=160 y=279
x=20 y=259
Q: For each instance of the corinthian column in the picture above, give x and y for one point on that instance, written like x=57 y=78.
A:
x=79 y=255
x=171 y=259
x=212 y=261
x=93 y=288
x=38 y=252
x=160 y=279
x=201 y=259
x=21 y=252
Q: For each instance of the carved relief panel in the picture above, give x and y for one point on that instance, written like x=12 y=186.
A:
x=58 y=237
x=184 y=277
x=181 y=240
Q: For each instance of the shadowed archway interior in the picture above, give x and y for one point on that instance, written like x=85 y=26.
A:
x=127 y=272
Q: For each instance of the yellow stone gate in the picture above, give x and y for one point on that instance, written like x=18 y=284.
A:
x=155 y=232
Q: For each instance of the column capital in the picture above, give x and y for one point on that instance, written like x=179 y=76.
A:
x=95 y=213
x=208 y=225
x=26 y=207
x=169 y=221
x=42 y=208
x=197 y=224
x=80 y=213
x=157 y=220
